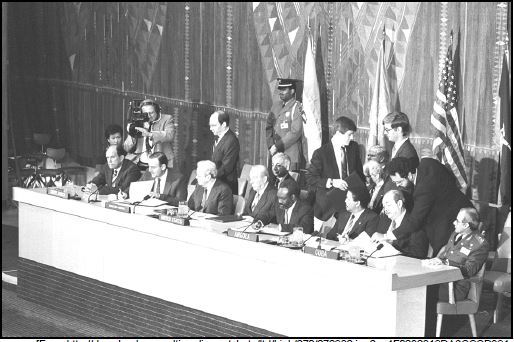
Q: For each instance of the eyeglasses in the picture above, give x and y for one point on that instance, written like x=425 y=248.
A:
x=461 y=222
x=149 y=113
x=386 y=130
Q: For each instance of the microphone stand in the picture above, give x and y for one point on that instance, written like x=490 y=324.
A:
x=379 y=247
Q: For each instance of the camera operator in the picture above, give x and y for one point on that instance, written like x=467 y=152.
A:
x=156 y=135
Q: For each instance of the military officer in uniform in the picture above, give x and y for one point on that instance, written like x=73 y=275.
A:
x=466 y=249
x=284 y=126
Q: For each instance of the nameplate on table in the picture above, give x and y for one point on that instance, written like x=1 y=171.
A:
x=322 y=253
x=174 y=219
x=58 y=192
x=243 y=235
x=124 y=208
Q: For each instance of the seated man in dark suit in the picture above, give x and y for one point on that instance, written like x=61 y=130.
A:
x=356 y=219
x=280 y=164
x=116 y=175
x=466 y=249
x=262 y=197
x=415 y=244
x=211 y=195
x=291 y=211
x=169 y=184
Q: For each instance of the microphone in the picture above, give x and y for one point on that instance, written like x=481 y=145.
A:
x=258 y=224
x=315 y=233
x=89 y=200
x=139 y=202
x=379 y=247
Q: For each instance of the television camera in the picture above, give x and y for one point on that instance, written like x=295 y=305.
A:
x=137 y=118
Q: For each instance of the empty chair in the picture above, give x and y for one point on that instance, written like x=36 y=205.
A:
x=468 y=306
x=239 y=205
x=500 y=275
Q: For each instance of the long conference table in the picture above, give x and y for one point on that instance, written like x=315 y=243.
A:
x=76 y=252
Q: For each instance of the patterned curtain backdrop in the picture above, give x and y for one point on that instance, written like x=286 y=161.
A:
x=74 y=67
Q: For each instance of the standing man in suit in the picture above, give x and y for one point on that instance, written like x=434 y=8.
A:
x=397 y=129
x=331 y=164
x=284 y=126
x=169 y=184
x=281 y=164
x=436 y=198
x=414 y=245
x=356 y=219
x=466 y=249
x=291 y=211
x=116 y=175
x=225 y=151
x=211 y=195
x=262 y=197
x=156 y=136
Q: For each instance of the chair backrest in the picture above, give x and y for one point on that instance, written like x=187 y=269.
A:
x=503 y=258
x=295 y=175
x=475 y=291
x=239 y=204
x=56 y=153
x=41 y=138
x=327 y=225
x=245 y=171
x=241 y=186
x=192 y=177
x=190 y=189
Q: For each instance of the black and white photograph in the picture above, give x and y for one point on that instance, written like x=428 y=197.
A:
x=256 y=170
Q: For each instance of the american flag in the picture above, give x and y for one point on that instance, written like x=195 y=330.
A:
x=447 y=144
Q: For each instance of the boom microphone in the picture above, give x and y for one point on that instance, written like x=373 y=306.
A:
x=315 y=233
x=379 y=247
x=94 y=192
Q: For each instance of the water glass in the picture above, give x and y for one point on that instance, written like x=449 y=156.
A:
x=297 y=237
x=355 y=253
x=183 y=209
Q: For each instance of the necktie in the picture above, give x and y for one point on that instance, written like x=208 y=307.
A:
x=114 y=176
x=393 y=152
x=344 y=163
x=349 y=225
x=148 y=143
x=457 y=239
x=255 y=201
x=286 y=219
x=204 y=200
x=157 y=189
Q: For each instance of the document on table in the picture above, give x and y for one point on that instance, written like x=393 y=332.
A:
x=364 y=242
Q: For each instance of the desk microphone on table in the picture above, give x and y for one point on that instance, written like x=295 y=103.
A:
x=258 y=224
x=139 y=202
x=379 y=247
x=94 y=192
x=315 y=233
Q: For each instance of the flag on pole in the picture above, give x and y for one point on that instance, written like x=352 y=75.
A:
x=380 y=102
x=447 y=144
x=505 y=112
x=311 y=103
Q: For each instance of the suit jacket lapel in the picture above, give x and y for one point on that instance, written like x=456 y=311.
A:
x=358 y=223
x=333 y=161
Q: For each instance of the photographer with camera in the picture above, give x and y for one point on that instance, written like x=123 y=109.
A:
x=149 y=131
